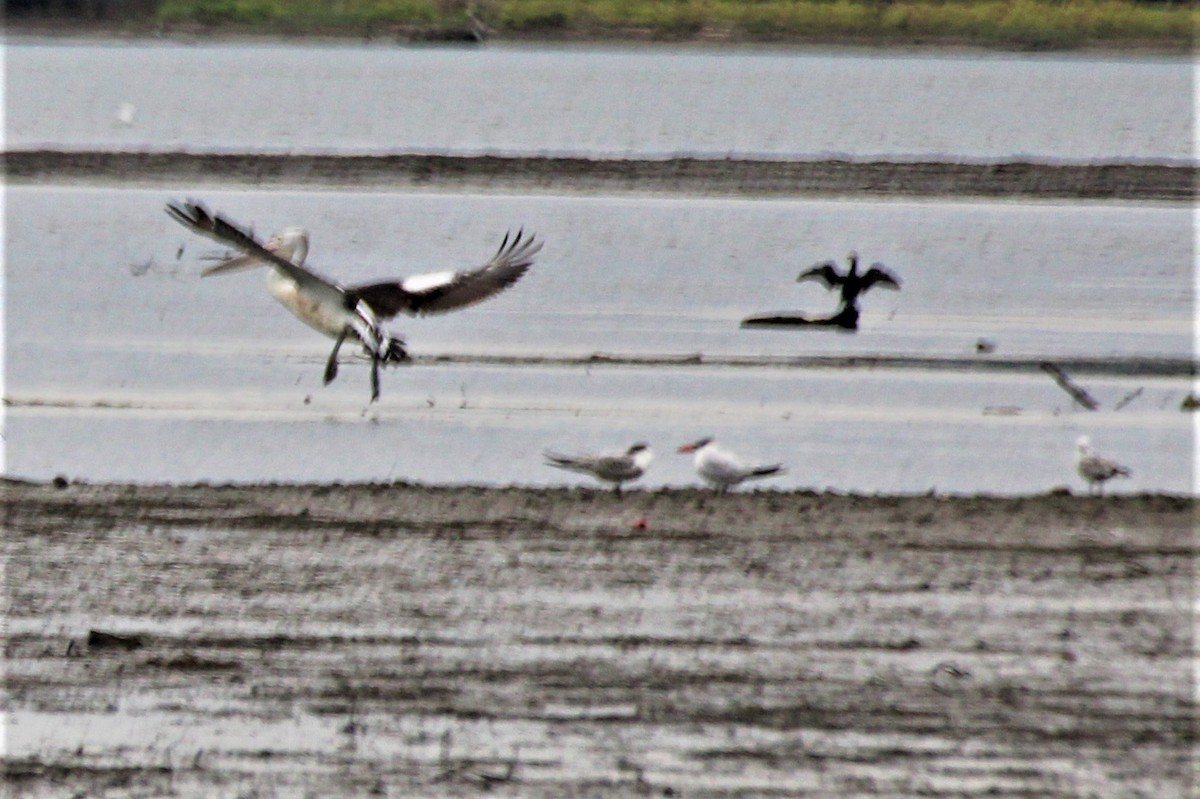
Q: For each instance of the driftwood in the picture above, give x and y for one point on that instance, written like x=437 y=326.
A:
x=1064 y=381
x=1128 y=398
x=98 y=639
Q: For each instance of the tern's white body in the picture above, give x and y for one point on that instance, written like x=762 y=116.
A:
x=722 y=469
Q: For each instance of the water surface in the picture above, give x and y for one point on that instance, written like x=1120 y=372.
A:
x=606 y=101
x=145 y=372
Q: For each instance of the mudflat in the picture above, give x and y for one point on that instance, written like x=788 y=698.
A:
x=406 y=640
x=698 y=176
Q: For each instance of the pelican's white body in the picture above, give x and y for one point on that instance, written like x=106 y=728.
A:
x=318 y=313
x=326 y=314
x=320 y=305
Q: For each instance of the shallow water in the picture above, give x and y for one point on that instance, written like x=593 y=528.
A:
x=161 y=376
x=640 y=102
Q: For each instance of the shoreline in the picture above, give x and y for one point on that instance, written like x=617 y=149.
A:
x=399 y=35
x=691 y=175
x=94 y=495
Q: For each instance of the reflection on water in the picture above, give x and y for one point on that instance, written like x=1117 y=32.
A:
x=143 y=371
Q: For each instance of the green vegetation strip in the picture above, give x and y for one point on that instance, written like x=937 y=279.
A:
x=1024 y=24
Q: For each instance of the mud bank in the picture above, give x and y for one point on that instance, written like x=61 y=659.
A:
x=686 y=175
x=402 y=640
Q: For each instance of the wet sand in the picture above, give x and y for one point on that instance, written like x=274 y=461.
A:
x=402 y=640
x=700 y=176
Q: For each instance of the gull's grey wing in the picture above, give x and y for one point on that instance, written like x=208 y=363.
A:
x=438 y=292
x=1098 y=467
x=197 y=218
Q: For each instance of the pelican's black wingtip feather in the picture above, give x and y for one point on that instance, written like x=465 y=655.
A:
x=519 y=245
x=190 y=213
x=199 y=219
x=179 y=213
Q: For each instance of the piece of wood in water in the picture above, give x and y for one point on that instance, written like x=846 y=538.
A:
x=1068 y=385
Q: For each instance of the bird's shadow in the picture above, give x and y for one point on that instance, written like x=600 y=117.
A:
x=845 y=320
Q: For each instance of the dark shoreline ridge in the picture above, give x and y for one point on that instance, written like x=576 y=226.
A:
x=1117 y=181
x=276 y=502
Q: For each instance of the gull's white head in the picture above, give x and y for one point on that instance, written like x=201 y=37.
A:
x=1083 y=446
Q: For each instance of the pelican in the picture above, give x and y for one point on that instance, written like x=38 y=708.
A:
x=852 y=284
x=722 y=469
x=356 y=311
x=1095 y=468
x=610 y=467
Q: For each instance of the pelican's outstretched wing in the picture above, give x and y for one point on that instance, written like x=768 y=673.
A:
x=826 y=273
x=438 y=292
x=878 y=274
x=197 y=218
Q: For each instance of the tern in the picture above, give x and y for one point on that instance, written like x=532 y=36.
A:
x=1095 y=468
x=611 y=467
x=356 y=311
x=722 y=469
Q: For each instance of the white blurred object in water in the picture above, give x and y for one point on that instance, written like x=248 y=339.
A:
x=126 y=113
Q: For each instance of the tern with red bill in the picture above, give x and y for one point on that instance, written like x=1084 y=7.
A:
x=722 y=469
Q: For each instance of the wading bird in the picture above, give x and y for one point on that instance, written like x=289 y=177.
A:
x=722 y=469
x=610 y=467
x=1095 y=468
x=356 y=311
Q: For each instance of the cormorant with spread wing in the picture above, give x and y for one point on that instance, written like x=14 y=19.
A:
x=851 y=284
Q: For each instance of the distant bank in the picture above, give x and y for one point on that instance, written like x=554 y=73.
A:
x=1019 y=25
x=1116 y=181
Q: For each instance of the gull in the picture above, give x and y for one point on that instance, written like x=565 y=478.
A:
x=610 y=467
x=1095 y=468
x=722 y=469
x=342 y=312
